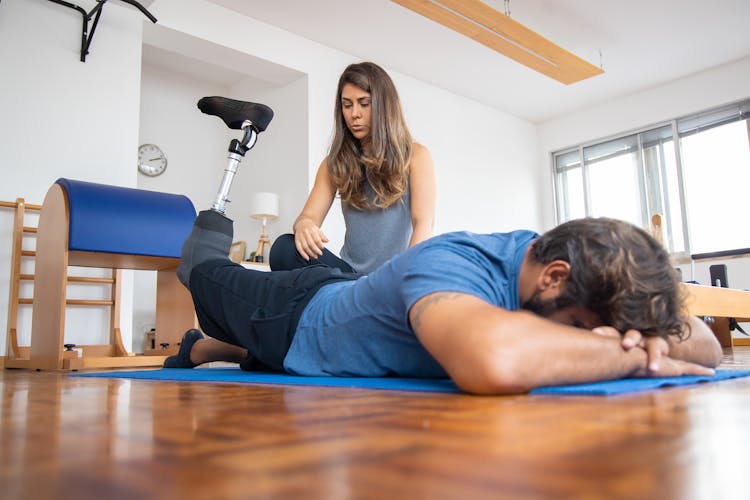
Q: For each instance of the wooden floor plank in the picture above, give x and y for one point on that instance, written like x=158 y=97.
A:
x=68 y=437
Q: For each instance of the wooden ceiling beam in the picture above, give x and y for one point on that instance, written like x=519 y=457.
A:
x=492 y=28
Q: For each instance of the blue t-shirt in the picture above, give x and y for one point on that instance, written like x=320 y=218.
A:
x=361 y=328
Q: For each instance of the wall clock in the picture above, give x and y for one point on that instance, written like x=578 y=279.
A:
x=151 y=160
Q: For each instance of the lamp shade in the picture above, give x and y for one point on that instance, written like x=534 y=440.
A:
x=264 y=206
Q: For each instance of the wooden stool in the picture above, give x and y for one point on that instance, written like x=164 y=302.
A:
x=95 y=225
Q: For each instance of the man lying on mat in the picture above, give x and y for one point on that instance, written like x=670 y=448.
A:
x=590 y=300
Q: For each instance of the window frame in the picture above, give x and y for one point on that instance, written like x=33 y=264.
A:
x=689 y=124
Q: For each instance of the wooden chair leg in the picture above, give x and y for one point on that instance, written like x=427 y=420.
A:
x=48 y=317
x=13 y=348
x=175 y=313
x=115 y=338
x=720 y=327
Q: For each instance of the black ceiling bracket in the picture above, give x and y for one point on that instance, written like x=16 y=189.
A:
x=95 y=13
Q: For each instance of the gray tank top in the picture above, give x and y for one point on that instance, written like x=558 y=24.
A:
x=372 y=237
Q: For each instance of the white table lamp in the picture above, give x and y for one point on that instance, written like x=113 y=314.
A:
x=263 y=206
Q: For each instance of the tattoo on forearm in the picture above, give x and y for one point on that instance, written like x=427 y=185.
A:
x=423 y=304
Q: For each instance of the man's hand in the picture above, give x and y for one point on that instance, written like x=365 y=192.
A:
x=670 y=367
x=658 y=364
x=656 y=347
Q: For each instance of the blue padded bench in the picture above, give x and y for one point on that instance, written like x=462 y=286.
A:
x=129 y=221
x=97 y=225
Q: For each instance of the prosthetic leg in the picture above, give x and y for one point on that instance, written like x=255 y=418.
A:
x=249 y=117
x=212 y=232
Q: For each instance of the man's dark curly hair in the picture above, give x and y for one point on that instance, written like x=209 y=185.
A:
x=619 y=272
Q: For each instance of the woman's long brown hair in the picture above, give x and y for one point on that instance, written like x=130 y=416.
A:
x=387 y=166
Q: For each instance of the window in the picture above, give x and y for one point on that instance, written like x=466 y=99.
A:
x=716 y=165
x=614 y=178
x=692 y=173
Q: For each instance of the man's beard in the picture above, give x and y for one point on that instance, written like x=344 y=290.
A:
x=543 y=308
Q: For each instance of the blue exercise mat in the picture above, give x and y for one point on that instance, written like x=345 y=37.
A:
x=232 y=374
x=627 y=385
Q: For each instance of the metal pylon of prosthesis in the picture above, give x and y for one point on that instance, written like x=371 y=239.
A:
x=237 y=150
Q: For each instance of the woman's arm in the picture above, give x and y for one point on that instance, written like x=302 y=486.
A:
x=489 y=350
x=308 y=237
x=422 y=193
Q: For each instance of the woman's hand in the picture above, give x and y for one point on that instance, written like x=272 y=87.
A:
x=309 y=239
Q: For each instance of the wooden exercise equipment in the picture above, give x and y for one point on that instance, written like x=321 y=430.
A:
x=720 y=304
x=93 y=225
x=16 y=353
x=20 y=230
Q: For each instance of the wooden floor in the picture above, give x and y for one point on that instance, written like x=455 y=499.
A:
x=70 y=437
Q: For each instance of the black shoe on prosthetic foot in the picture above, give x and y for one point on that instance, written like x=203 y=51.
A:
x=182 y=358
x=211 y=238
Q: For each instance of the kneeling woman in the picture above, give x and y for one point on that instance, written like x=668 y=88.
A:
x=386 y=182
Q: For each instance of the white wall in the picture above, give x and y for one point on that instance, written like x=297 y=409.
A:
x=195 y=144
x=485 y=160
x=64 y=118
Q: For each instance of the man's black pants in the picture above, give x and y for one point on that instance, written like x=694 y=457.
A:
x=254 y=309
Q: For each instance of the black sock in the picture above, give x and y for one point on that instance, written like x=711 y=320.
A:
x=211 y=238
x=182 y=358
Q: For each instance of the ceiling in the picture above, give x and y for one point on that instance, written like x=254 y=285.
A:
x=639 y=43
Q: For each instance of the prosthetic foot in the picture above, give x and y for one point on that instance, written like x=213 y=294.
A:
x=252 y=119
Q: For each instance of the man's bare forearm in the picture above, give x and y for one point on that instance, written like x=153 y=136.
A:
x=698 y=346
x=556 y=354
x=487 y=350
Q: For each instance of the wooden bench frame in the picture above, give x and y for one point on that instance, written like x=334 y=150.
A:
x=721 y=304
x=174 y=307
